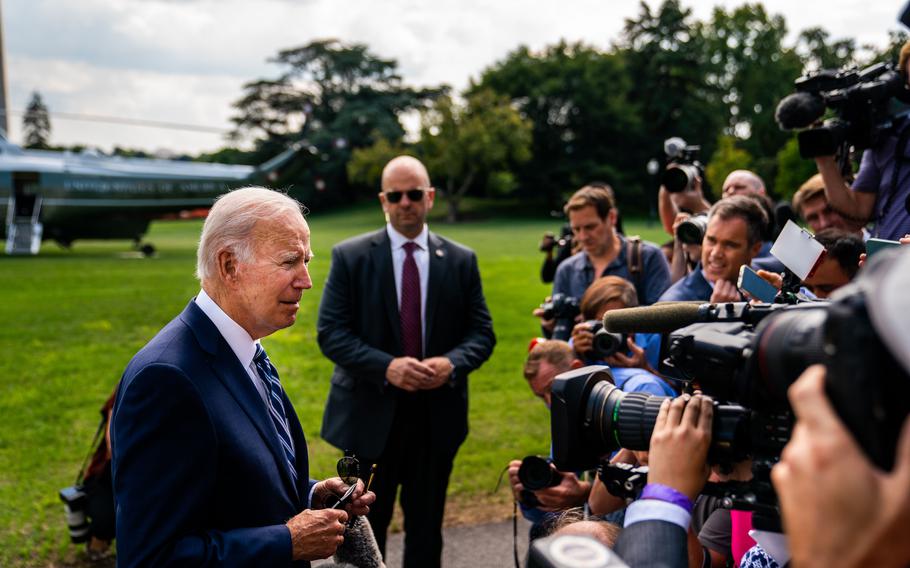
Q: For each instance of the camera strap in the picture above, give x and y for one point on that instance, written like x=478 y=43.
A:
x=91 y=450
x=634 y=262
x=900 y=156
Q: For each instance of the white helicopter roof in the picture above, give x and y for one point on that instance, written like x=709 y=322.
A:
x=92 y=163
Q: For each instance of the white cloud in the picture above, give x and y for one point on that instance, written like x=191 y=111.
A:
x=185 y=61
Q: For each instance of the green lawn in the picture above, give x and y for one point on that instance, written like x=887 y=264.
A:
x=73 y=319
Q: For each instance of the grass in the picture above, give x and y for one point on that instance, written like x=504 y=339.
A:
x=72 y=319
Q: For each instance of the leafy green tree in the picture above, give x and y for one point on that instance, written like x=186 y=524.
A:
x=464 y=144
x=754 y=69
x=726 y=158
x=36 y=123
x=336 y=96
x=792 y=169
x=584 y=124
x=819 y=51
x=365 y=166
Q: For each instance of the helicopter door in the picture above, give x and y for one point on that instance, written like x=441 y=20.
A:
x=23 y=223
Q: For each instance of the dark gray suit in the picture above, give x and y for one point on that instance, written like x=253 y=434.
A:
x=413 y=436
x=653 y=544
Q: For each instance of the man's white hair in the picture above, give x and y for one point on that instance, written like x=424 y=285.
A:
x=230 y=223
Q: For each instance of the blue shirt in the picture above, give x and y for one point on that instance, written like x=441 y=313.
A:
x=692 y=287
x=874 y=176
x=576 y=273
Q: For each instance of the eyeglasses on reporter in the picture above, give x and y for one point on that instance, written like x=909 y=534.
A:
x=415 y=194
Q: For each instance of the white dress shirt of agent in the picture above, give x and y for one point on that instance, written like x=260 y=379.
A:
x=732 y=239
x=206 y=470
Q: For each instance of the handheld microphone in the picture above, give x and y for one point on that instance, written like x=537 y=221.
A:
x=799 y=110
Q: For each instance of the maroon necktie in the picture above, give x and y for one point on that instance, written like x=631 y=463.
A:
x=409 y=312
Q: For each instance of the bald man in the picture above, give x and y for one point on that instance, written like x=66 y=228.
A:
x=743 y=182
x=404 y=319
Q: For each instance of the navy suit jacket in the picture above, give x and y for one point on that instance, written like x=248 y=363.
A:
x=199 y=476
x=692 y=287
x=360 y=331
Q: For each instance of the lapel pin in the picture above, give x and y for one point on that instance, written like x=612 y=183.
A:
x=440 y=253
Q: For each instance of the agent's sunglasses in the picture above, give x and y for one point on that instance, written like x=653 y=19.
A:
x=415 y=195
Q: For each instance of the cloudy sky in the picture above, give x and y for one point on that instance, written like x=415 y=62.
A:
x=185 y=61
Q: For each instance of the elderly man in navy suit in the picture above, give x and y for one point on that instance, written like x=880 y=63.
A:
x=209 y=460
x=404 y=319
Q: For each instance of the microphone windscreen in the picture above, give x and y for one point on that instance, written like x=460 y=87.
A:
x=799 y=110
x=659 y=318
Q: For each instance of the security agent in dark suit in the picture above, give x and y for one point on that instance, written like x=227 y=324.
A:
x=209 y=460
x=405 y=324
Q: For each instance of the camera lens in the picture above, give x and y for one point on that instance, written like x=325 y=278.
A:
x=692 y=230
x=606 y=343
x=535 y=473
x=678 y=177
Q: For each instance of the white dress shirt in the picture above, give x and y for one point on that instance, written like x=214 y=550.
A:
x=422 y=258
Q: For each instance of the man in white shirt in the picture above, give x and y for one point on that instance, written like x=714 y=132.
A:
x=209 y=460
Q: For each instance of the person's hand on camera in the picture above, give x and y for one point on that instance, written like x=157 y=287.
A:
x=838 y=509
x=407 y=373
x=316 y=534
x=329 y=491
x=637 y=358
x=514 y=481
x=679 y=444
x=546 y=324
x=582 y=338
x=725 y=291
x=571 y=492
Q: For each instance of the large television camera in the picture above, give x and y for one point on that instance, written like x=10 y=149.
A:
x=745 y=356
x=862 y=101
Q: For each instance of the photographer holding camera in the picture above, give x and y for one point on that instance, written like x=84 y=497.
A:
x=633 y=359
x=732 y=239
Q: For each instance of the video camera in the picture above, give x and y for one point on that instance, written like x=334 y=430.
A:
x=682 y=165
x=860 y=99
x=745 y=356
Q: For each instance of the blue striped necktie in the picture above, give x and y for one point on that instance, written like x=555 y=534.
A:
x=276 y=407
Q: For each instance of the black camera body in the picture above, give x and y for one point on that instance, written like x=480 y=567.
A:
x=536 y=473
x=683 y=166
x=860 y=99
x=692 y=230
x=564 y=310
x=746 y=357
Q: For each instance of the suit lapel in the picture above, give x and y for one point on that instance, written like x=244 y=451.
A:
x=381 y=255
x=438 y=268
x=236 y=381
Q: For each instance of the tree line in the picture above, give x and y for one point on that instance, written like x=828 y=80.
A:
x=539 y=124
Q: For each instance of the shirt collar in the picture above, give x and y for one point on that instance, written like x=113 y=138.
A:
x=620 y=259
x=398 y=240
x=240 y=342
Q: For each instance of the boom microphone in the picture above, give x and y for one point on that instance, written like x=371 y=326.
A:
x=799 y=110
x=665 y=317
x=659 y=318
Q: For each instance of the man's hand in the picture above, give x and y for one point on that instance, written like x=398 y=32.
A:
x=316 y=534
x=571 y=492
x=546 y=324
x=442 y=372
x=725 y=291
x=679 y=444
x=582 y=338
x=517 y=487
x=636 y=359
x=839 y=509
x=407 y=373
x=328 y=491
